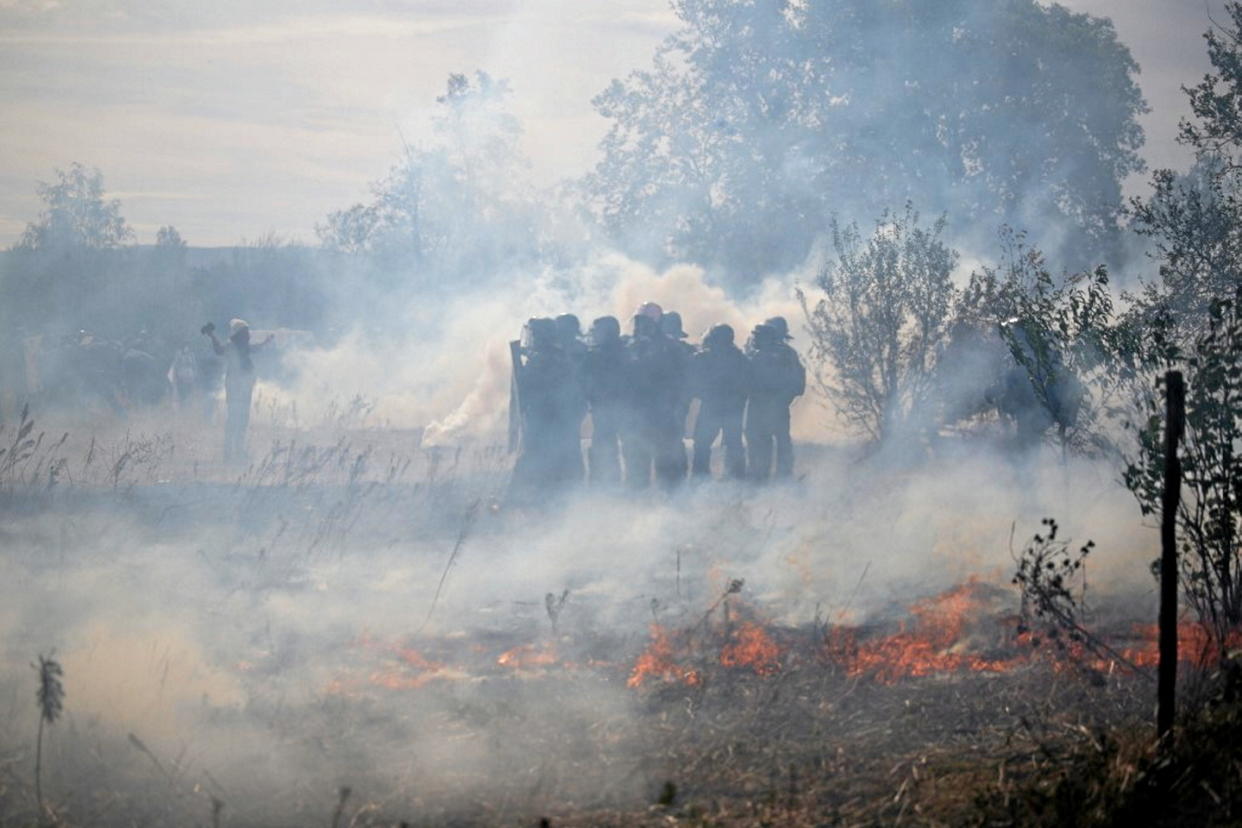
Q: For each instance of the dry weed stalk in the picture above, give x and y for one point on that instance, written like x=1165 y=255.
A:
x=51 y=698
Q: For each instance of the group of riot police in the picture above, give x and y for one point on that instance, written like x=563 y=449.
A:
x=638 y=390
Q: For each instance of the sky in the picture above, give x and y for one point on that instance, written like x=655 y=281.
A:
x=236 y=119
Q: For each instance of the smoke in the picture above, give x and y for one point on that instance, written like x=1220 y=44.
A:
x=270 y=633
x=452 y=380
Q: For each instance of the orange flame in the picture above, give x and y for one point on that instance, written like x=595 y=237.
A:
x=1194 y=645
x=752 y=647
x=659 y=661
x=936 y=641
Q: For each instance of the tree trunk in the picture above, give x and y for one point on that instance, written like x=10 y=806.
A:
x=1175 y=407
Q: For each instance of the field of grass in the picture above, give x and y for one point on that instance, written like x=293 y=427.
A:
x=354 y=629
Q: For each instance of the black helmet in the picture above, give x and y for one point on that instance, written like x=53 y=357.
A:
x=670 y=325
x=568 y=326
x=605 y=329
x=718 y=335
x=644 y=325
x=541 y=332
x=779 y=326
x=764 y=333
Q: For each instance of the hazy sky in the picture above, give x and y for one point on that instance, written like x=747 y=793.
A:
x=235 y=118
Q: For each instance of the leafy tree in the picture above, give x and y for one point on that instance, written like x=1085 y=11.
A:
x=760 y=119
x=76 y=214
x=66 y=271
x=883 y=322
x=1209 y=516
x=1195 y=219
x=453 y=212
x=1191 y=319
x=168 y=238
x=1076 y=357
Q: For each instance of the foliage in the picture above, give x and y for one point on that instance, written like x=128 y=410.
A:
x=71 y=269
x=1191 y=320
x=1077 y=355
x=51 y=698
x=1210 y=512
x=877 y=333
x=1195 y=219
x=168 y=238
x=1053 y=582
x=75 y=214
x=759 y=120
x=51 y=692
x=1127 y=778
x=453 y=212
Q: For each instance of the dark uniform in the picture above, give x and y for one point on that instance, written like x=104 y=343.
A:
x=605 y=382
x=671 y=327
x=777 y=379
x=656 y=369
x=569 y=336
x=720 y=379
x=549 y=407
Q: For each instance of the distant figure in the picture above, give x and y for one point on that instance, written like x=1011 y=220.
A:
x=670 y=326
x=657 y=375
x=777 y=379
x=96 y=364
x=549 y=410
x=720 y=379
x=979 y=373
x=569 y=337
x=183 y=379
x=604 y=379
x=239 y=380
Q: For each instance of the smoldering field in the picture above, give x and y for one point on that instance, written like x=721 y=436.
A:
x=356 y=610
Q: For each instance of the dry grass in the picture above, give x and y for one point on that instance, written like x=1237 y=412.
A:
x=469 y=740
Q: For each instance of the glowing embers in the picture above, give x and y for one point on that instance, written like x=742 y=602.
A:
x=529 y=656
x=399 y=668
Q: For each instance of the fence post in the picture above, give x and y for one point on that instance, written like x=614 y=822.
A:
x=1175 y=423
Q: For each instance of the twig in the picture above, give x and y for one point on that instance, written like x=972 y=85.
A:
x=467 y=523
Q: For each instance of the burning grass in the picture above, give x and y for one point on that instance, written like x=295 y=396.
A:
x=497 y=707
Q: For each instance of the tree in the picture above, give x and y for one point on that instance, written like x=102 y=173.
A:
x=1191 y=319
x=455 y=211
x=67 y=270
x=883 y=322
x=76 y=214
x=1209 y=517
x=761 y=119
x=1076 y=358
x=1195 y=219
x=168 y=238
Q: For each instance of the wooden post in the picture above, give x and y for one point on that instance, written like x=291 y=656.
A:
x=1175 y=423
